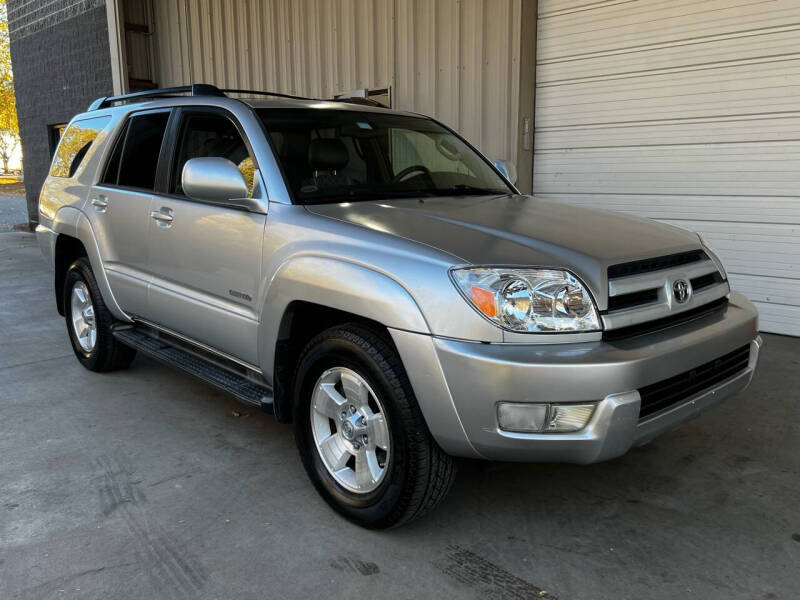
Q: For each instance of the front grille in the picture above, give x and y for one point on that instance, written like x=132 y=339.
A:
x=666 y=393
x=699 y=283
x=623 y=333
x=633 y=299
x=648 y=265
x=641 y=293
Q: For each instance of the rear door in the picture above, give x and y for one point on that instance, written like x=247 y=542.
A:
x=119 y=207
x=205 y=259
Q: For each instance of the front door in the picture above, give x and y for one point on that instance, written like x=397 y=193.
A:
x=119 y=208
x=205 y=259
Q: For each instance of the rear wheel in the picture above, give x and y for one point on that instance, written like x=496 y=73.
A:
x=360 y=432
x=89 y=322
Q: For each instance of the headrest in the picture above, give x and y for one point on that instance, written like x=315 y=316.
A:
x=327 y=154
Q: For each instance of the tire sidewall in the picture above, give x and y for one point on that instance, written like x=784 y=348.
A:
x=369 y=509
x=79 y=271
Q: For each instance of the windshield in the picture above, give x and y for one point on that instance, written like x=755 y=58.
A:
x=349 y=156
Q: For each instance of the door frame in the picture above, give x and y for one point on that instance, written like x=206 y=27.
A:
x=115 y=16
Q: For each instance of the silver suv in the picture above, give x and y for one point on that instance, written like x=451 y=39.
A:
x=369 y=276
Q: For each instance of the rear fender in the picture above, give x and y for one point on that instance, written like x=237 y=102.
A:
x=72 y=222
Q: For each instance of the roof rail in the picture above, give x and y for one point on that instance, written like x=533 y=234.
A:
x=345 y=99
x=204 y=89
x=197 y=89
x=361 y=101
x=263 y=93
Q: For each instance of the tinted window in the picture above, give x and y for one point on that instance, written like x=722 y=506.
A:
x=211 y=135
x=74 y=145
x=55 y=133
x=112 y=168
x=347 y=156
x=141 y=148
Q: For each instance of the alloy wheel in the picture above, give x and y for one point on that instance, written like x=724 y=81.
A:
x=350 y=430
x=83 y=321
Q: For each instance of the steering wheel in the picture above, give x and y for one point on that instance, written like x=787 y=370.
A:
x=412 y=169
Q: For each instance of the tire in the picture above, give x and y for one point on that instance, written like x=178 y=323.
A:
x=103 y=352
x=415 y=473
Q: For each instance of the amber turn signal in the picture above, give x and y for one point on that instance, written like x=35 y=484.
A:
x=484 y=301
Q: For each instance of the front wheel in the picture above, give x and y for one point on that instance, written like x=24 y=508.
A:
x=360 y=432
x=89 y=322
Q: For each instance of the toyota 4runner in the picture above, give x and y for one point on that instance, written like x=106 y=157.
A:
x=370 y=277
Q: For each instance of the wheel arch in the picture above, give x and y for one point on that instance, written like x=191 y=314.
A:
x=67 y=250
x=75 y=238
x=311 y=294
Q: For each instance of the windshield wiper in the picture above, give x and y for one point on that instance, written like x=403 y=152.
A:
x=463 y=189
x=399 y=194
x=367 y=196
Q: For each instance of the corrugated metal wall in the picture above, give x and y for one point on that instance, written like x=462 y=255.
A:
x=457 y=60
x=686 y=112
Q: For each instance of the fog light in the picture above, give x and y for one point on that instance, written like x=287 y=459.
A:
x=569 y=417
x=523 y=418
x=543 y=418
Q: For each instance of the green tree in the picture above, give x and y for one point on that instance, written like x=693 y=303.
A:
x=9 y=127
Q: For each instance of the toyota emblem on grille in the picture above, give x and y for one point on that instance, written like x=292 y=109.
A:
x=681 y=290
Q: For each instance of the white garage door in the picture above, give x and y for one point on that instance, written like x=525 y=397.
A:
x=683 y=111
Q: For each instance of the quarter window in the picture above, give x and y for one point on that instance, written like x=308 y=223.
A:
x=211 y=135
x=74 y=145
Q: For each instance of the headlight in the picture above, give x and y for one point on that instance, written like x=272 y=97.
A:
x=714 y=255
x=528 y=300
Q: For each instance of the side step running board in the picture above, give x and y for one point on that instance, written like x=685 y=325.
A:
x=231 y=379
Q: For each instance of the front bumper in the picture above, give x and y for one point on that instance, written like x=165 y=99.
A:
x=478 y=376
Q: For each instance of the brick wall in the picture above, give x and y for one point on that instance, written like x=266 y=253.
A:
x=61 y=61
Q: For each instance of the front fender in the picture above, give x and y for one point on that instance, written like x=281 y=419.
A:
x=337 y=284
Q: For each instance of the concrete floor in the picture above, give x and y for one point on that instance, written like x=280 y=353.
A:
x=13 y=211
x=143 y=484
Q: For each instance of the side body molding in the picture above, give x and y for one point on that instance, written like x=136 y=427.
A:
x=338 y=284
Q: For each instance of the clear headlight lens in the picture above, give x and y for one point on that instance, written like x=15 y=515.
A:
x=528 y=300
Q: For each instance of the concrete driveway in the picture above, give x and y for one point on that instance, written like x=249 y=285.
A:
x=13 y=211
x=145 y=484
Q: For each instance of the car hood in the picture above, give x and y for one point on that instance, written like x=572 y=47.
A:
x=520 y=230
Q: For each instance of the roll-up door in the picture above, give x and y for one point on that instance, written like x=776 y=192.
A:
x=683 y=111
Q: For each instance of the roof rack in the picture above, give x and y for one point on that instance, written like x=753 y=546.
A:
x=197 y=89
x=361 y=101
x=263 y=93
x=204 y=89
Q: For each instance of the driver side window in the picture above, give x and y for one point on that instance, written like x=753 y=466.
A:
x=210 y=135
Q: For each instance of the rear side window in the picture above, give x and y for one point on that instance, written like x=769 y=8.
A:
x=135 y=157
x=75 y=144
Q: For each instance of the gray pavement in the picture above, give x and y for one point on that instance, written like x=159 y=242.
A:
x=143 y=484
x=13 y=211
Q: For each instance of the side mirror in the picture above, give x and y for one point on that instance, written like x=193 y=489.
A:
x=508 y=169
x=217 y=181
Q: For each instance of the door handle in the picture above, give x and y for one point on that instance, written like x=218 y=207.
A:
x=162 y=217
x=100 y=203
